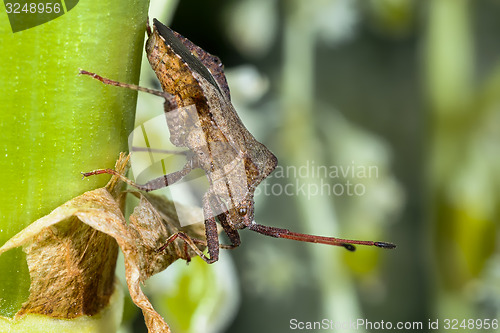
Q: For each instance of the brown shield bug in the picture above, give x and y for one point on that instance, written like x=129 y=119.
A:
x=201 y=117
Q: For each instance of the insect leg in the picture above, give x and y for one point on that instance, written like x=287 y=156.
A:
x=152 y=185
x=231 y=232
x=169 y=99
x=210 y=229
x=161 y=151
x=189 y=241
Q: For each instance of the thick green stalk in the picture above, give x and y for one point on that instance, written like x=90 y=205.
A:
x=55 y=123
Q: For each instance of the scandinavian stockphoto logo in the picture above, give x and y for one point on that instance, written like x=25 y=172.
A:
x=312 y=179
x=26 y=14
x=159 y=147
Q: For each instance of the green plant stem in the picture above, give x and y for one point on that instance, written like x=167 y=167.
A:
x=55 y=123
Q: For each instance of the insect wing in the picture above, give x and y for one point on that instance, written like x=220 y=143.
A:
x=172 y=39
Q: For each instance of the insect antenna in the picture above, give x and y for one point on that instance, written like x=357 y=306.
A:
x=285 y=233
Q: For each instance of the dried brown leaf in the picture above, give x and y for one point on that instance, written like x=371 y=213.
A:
x=150 y=230
x=71 y=252
x=70 y=261
x=155 y=221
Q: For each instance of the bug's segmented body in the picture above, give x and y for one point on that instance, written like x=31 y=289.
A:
x=200 y=116
x=196 y=78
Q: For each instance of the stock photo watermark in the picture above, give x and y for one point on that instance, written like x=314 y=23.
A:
x=26 y=14
x=452 y=324
x=155 y=145
x=311 y=180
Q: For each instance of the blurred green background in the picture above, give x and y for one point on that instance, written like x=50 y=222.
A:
x=408 y=88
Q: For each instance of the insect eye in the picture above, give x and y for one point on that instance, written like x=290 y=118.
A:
x=242 y=211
